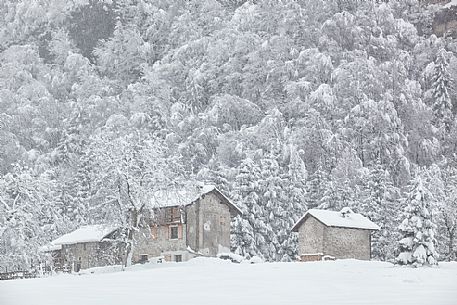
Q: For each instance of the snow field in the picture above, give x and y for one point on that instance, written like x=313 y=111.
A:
x=211 y=281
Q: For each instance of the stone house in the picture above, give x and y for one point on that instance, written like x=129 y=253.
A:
x=178 y=226
x=343 y=234
x=185 y=224
x=87 y=247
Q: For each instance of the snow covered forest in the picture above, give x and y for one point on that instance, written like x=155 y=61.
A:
x=284 y=105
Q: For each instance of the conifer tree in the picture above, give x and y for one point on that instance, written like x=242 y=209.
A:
x=447 y=220
x=316 y=186
x=442 y=104
x=417 y=247
x=295 y=200
x=245 y=194
x=379 y=203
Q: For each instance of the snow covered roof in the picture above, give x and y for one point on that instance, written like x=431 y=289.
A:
x=344 y=219
x=85 y=234
x=451 y=3
x=172 y=198
x=49 y=247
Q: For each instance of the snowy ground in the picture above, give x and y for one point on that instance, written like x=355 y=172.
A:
x=212 y=281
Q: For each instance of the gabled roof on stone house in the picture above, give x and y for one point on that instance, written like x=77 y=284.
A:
x=85 y=234
x=345 y=218
x=162 y=199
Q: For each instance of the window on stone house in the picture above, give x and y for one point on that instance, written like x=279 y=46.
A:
x=172 y=215
x=222 y=220
x=178 y=258
x=173 y=232
x=84 y=247
x=143 y=258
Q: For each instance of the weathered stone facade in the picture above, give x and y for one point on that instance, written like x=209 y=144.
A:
x=203 y=228
x=445 y=22
x=75 y=257
x=311 y=240
x=155 y=241
x=209 y=225
x=319 y=240
x=176 y=232
x=347 y=243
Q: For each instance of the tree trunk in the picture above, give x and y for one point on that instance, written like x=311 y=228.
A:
x=128 y=248
x=130 y=232
x=451 y=255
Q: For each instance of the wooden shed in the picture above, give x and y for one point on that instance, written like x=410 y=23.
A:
x=332 y=234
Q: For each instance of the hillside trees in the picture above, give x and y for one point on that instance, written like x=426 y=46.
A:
x=91 y=23
x=338 y=99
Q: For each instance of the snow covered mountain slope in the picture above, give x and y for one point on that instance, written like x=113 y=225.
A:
x=211 y=281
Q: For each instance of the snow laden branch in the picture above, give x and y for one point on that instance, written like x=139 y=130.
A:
x=28 y=216
x=130 y=168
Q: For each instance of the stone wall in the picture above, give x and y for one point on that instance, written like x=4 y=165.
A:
x=193 y=222
x=156 y=241
x=434 y=1
x=311 y=237
x=209 y=225
x=445 y=22
x=91 y=254
x=206 y=230
x=315 y=239
x=347 y=243
x=83 y=253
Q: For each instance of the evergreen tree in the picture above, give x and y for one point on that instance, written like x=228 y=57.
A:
x=295 y=201
x=447 y=223
x=245 y=194
x=379 y=203
x=417 y=247
x=442 y=104
x=316 y=186
x=272 y=216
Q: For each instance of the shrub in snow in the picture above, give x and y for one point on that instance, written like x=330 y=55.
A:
x=234 y=258
x=417 y=247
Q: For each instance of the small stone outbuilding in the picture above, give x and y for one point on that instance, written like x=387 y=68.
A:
x=343 y=234
x=86 y=247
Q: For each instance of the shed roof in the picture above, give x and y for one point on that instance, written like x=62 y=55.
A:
x=168 y=198
x=85 y=234
x=49 y=248
x=344 y=219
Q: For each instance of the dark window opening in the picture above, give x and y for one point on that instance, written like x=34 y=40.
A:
x=174 y=232
x=178 y=258
x=173 y=215
x=143 y=258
